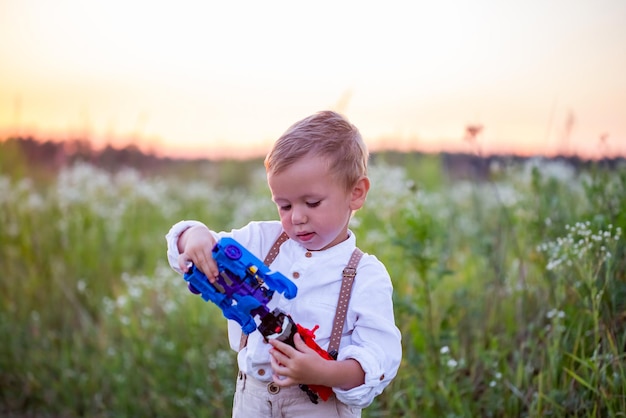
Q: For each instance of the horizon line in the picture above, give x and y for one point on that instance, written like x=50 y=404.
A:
x=189 y=154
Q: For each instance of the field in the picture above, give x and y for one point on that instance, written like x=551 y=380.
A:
x=510 y=291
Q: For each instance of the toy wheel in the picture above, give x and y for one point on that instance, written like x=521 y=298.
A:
x=192 y=289
x=233 y=252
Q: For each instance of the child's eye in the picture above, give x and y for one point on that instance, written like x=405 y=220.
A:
x=313 y=204
x=285 y=207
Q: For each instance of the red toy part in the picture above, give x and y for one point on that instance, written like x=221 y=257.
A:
x=308 y=336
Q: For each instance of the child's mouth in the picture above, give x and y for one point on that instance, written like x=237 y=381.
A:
x=306 y=236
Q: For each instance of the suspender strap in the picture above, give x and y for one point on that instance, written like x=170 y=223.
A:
x=269 y=258
x=344 y=299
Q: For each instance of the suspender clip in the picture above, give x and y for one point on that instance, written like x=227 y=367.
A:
x=349 y=272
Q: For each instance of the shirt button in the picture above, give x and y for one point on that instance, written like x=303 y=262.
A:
x=261 y=372
x=295 y=274
x=382 y=377
x=308 y=254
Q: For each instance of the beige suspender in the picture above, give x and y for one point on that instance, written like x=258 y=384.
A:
x=344 y=294
x=342 y=303
x=271 y=255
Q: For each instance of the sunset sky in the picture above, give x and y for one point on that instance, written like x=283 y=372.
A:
x=212 y=78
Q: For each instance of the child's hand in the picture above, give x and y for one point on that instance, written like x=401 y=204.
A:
x=195 y=246
x=297 y=365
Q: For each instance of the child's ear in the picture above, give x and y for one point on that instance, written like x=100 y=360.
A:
x=359 y=193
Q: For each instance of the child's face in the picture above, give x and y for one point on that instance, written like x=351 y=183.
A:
x=314 y=208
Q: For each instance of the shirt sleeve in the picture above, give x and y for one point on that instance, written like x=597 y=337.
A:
x=375 y=341
x=172 y=242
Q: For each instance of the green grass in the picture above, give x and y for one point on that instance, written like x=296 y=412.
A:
x=510 y=292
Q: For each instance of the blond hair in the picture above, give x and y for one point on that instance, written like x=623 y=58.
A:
x=325 y=134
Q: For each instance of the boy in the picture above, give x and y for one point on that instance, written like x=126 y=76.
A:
x=317 y=175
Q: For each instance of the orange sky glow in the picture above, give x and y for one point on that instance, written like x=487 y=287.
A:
x=211 y=79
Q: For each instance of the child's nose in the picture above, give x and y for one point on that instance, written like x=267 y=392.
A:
x=298 y=216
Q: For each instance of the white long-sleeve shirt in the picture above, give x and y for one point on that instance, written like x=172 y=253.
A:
x=370 y=335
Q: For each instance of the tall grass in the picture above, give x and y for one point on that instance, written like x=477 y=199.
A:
x=510 y=293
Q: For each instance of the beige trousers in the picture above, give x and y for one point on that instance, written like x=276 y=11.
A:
x=256 y=399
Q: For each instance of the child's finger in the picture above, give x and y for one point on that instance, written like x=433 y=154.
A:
x=209 y=267
x=206 y=265
x=300 y=345
x=282 y=347
x=283 y=381
x=277 y=358
x=277 y=363
x=184 y=263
